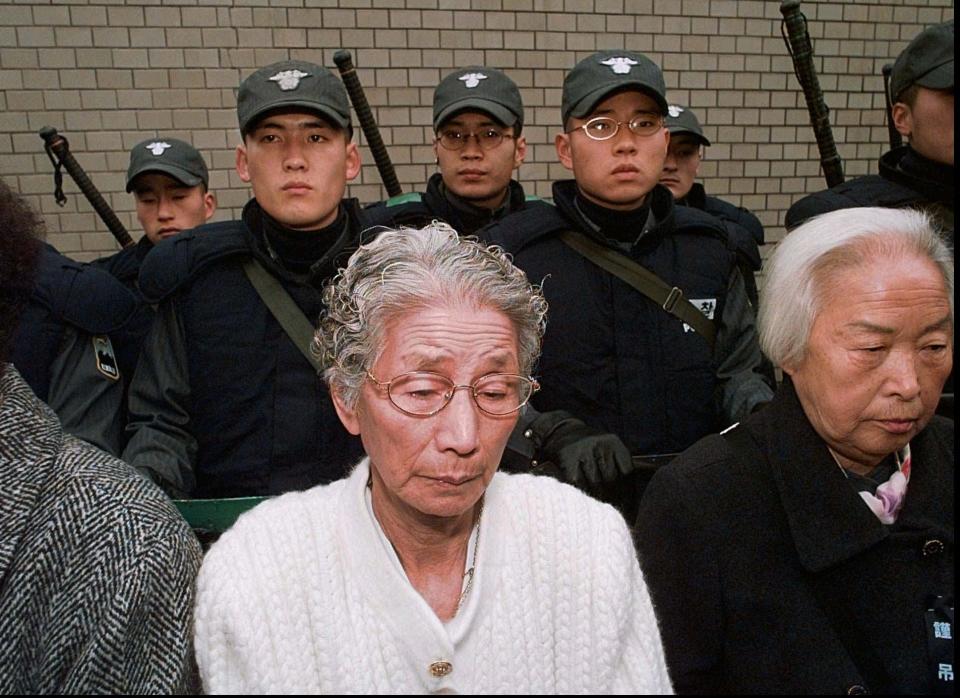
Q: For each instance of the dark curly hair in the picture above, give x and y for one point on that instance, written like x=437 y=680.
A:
x=21 y=230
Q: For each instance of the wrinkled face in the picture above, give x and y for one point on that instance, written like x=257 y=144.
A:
x=878 y=355
x=436 y=466
x=298 y=166
x=474 y=174
x=682 y=164
x=166 y=206
x=928 y=124
x=617 y=173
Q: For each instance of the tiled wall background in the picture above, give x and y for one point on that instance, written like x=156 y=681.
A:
x=108 y=73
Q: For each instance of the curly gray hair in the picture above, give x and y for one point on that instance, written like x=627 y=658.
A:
x=410 y=268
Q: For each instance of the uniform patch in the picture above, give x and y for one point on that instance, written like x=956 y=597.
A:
x=707 y=306
x=106 y=359
x=289 y=79
x=157 y=147
x=674 y=110
x=471 y=80
x=621 y=65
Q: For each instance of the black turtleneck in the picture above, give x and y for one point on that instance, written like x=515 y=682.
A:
x=622 y=226
x=298 y=251
x=472 y=218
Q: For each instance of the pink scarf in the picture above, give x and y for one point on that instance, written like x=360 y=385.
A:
x=888 y=500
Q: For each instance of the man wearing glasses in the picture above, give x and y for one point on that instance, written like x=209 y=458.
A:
x=477 y=121
x=615 y=358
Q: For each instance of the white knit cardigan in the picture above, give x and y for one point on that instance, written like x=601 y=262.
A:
x=302 y=596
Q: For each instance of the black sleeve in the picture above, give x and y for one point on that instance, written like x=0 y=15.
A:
x=681 y=569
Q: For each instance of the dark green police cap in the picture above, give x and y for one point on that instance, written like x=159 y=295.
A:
x=171 y=156
x=926 y=61
x=596 y=76
x=291 y=84
x=681 y=119
x=477 y=88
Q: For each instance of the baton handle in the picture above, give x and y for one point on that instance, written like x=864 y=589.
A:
x=60 y=147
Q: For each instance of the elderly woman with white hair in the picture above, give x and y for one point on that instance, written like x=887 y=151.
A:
x=426 y=570
x=811 y=548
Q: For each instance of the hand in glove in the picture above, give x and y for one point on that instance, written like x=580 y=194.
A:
x=587 y=456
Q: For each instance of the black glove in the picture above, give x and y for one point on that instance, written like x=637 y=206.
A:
x=585 y=455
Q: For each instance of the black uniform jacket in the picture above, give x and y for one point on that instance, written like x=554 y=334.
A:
x=734 y=554
x=906 y=179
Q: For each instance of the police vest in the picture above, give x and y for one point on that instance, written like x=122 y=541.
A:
x=260 y=413
x=611 y=356
x=68 y=293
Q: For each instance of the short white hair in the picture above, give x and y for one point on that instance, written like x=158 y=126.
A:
x=804 y=263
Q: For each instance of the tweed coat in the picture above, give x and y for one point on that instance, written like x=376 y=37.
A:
x=734 y=554
x=96 y=566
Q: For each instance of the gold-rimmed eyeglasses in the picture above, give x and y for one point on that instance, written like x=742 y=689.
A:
x=603 y=128
x=424 y=393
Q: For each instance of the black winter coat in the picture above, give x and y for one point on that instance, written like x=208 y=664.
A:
x=733 y=553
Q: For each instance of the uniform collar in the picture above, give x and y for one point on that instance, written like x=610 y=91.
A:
x=659 y=222
x=906 y=167
x=463 y=216
x=696 y=197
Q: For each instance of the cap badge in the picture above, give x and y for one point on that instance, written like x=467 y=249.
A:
x=620 y=64
x=157 y=147
x=289 y=79
x=674 y=111
x=472 y=79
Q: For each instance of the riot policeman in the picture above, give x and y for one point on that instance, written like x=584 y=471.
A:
x=618 y=360
x=919 y=174
x=170 y=184
x=226 y=400
x=680 y=171
x=74 y=344
x=478 y=124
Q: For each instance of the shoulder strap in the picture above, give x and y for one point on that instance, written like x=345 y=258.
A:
x=840 y=617
x=649 y=284
x=287 y=313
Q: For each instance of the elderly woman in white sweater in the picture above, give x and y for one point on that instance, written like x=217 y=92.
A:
x=426 y=570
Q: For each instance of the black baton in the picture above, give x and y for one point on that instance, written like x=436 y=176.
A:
x=795 y=35
x=348 y=74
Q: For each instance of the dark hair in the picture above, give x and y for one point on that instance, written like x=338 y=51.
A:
x=21 y=229
x=907 y=95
